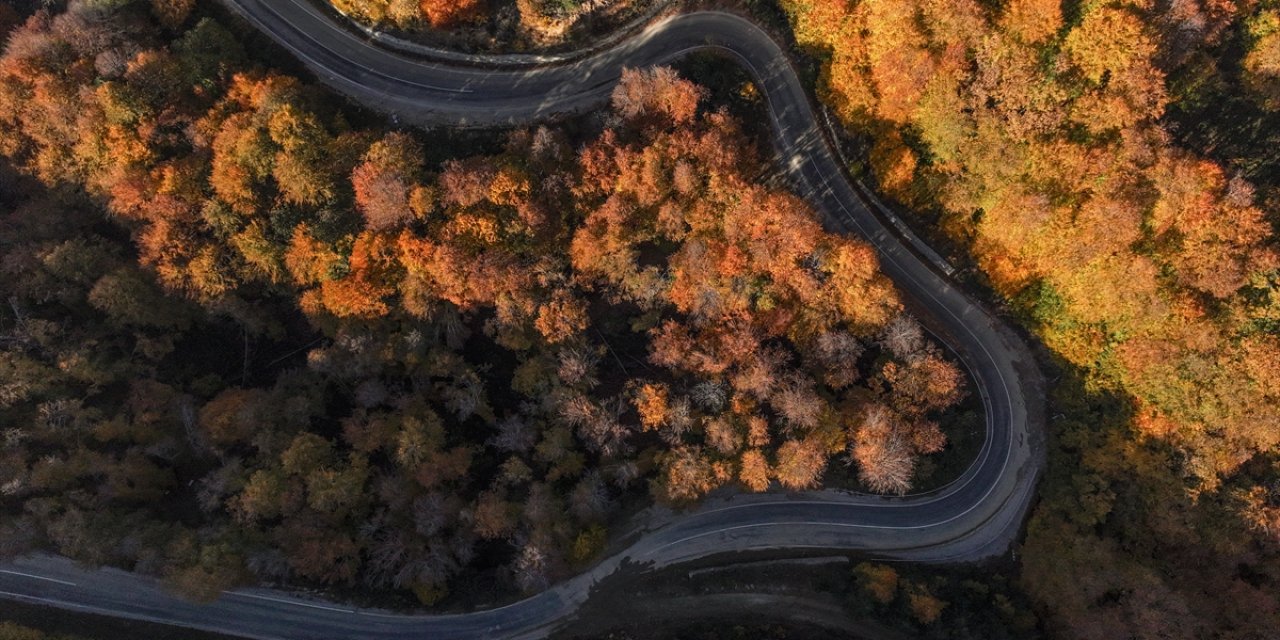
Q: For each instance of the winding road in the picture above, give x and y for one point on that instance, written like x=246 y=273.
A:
x=975 y=517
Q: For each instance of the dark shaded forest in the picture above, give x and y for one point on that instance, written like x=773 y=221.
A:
x=251 y=335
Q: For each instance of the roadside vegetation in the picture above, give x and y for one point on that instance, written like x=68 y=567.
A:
x=10 y=631
x=247 y=339
x=497 y=25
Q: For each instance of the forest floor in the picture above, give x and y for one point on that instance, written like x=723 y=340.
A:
x=754 y=597
x=90 y=626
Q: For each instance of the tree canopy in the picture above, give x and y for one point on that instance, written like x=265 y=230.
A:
x=296 y=349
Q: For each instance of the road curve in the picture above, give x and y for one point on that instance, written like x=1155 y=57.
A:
x=975 y=517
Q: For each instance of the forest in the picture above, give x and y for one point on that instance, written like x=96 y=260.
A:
x=250 y=333
x=1110 y=170
x=252 y=336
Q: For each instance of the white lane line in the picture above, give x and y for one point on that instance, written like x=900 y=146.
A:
x=115 y=613
x=22 y=597
x=293 y=602
x=358 y=41
x=29 y=575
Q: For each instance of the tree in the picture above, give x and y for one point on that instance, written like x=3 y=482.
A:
x=925 y=607
x=723 y=435
x=1109 y=41
x=266 y=495
x=1211 y=223
x=561 y=317
x=130 y=298
x=305 y=169
x=878 y=580
x=242 y=159
x=900 y=64
x=799 y=405
x=532 y=568
x=800 y=464
x=650 y=401
x=1032 y=21
x=924 y=384
x=754 y=471
x=172 y=13
x=234 y=415
x=837 y=353
x=448 y=13
x=589 y=544
x=339 y=490
x=1262 y=62
x=383 y=181
x=656 y=94
x=309 y=260
x=209 y=54
x=688 y=474
x=319 y=553
x=307 y=454
x=494 y=517
x=894 y=165
x=885 y=463
x=372 y=278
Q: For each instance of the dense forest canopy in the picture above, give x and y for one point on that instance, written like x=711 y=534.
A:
x=297 y=344
x=293 y=347
x=1042 y=145
x=1036 y=132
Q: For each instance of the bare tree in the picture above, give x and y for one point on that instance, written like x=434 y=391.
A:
x=838 y=353
x=884 y=457
x=709 y=395
x=387 y=552
x=430 y=514
x=679 y=421
x=514 y=435
x=760 y=376
x=269 y=564
x=578 y=366
x=722 y=435
x=531 y=568
x=604 y=431
x=798 y=404
x=371 y=393
x=465 y=396
x=542 y=506
x=221 y=484
x=576 y=410
x=903 y=337
x=625 y=473
x=450 y=327
x=590 y=501
x=56 y=415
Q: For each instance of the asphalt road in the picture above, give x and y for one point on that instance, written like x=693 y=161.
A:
x=976 y=517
